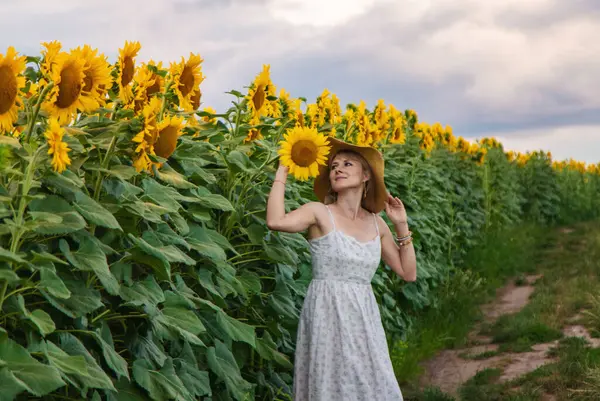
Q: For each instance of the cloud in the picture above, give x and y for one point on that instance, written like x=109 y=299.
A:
x=499 y=66
x=563 y=142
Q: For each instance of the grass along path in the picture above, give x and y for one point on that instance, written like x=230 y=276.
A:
x=538 y=339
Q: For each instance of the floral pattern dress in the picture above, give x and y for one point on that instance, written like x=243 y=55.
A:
x=341 y=348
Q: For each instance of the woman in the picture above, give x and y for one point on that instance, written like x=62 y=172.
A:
x=341 y=349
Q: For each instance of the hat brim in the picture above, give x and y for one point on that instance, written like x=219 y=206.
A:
x=377 y=194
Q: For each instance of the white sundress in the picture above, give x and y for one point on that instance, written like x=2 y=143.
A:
x=341 y=348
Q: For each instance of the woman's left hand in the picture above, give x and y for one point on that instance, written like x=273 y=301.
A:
x=394 y=208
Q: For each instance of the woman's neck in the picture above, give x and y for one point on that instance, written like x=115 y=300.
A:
x=350 y=205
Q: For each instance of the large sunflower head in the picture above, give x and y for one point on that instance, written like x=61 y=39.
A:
x=187 y=77
x=303 y=150
x=11 y=83
x=65 y=97
x=56 y=146
x=126 y=73
x=96 y=78
x=169 y=130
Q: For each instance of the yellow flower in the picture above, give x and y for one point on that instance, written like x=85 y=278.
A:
x=147 y=136
x=195 y=99
x=481 y=155
x=312 y=112
x=522 y=159
x=65 y=97
x=187 y=77
x=463 y=145
x=257 y=98
x=52 y=50
x=363 y=123
x=399 y=129
x=168 y=131
x=253 y=135
x=56 y=147
x=126 y=63
x=96 y=80
x=11 y=83
x=302 y=150
x=382 y=121
x=349 y=117
x=147 y=83
x=289 y=107
x=210 y=119
x=427 y=142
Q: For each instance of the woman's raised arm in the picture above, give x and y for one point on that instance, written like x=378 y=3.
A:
x=295 y=221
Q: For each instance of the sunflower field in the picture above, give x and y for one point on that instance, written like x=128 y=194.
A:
x=135 y=261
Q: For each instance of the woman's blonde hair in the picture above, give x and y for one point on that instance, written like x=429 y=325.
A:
x=332 y=196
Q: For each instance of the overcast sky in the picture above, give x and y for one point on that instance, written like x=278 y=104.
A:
x=525 y=71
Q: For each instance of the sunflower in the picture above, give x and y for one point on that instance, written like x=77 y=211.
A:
x=11 y=83
x=463 y=145
x=303 y=150
x=168 y=131
x=65 y=97
x=258 y=97
x=56 y=147
x=147 y=83
x=398 y=132
x=187 y=77
x=96 y=78
x=211 y=119
x=253 y=135
x=147 y=136
x=126 y=64
x=328 y=109
x=195 y=99
x=52 y=50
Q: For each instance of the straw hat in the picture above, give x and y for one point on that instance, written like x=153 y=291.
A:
x=377 y=193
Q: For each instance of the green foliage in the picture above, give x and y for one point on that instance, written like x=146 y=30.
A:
x=121 y=285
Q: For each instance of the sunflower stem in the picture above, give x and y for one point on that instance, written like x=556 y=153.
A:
x=38 y=105
x=98 y=183
x=163 y=106
x=19 y=230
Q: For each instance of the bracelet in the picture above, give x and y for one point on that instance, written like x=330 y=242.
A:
x=274 y=181
x=408 y=241
x=405 y=237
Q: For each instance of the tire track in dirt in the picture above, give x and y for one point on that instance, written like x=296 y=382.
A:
x=449 y=369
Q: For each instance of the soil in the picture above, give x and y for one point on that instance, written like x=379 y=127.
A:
x=451 y=368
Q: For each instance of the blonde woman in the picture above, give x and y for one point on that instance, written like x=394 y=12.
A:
x=341 y=349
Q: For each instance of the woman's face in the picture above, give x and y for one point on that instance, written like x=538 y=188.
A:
x=346 y=171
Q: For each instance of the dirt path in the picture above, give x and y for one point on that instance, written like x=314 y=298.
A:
x=451 y=368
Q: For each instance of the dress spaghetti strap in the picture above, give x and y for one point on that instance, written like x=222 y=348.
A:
x=376 y=225
x=331 y=216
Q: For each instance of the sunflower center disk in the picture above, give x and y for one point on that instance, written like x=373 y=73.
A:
x=69 y=87
x=88 y=82
x=155 y=87
x=195 y=99
x=259 y=97
x=304 y=153
x=128 y=71
x=8 y=89
x=187 y=81
x=167 y=141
